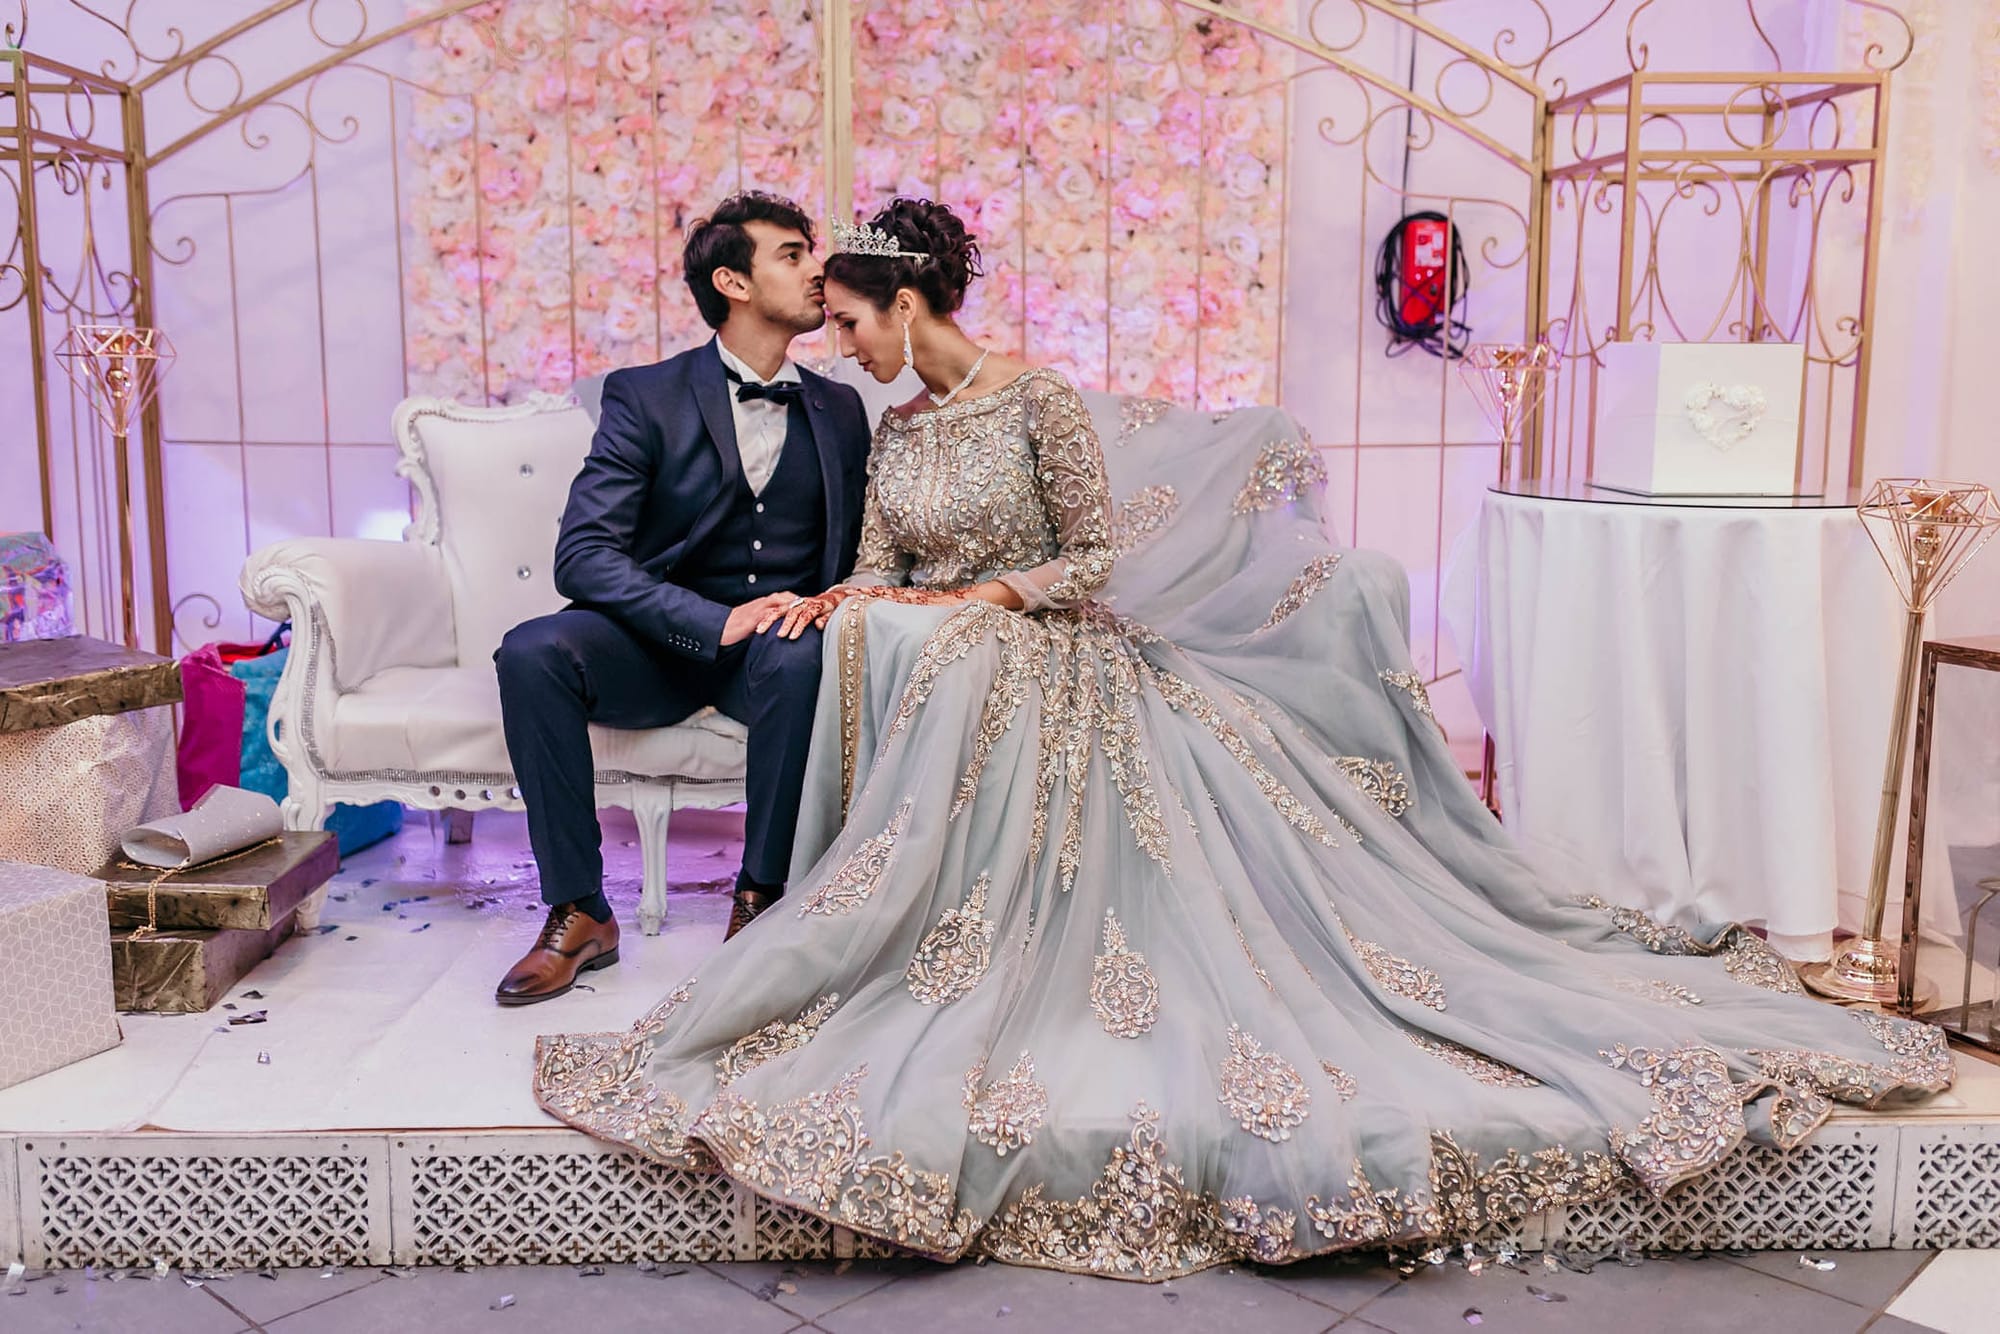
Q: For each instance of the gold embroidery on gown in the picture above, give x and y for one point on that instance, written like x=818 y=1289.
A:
x=1006 y=1116
x=1282 y=471
x=1120 y=672
x=1482 y=1068
x=1023 y=649
x=1123 y=992
x=1378 y=780
x=1144 y=514
x=1253 y=721
x=1811 y=1081
x=1412 y=685
x=1697 y=1112
x=858 y=876
x=599 y=1079
x=1064 y=745
x=1255 y=967
x=1655 y=989
x=1398 y=975
x=813 y=1149
x=954 y=954
x=963 y=631
x=1311 y=579
x=1139 y=1220
x=1136 y=414
x=1745 y=957
x=851 y=646
x=1183 y=695
x=773 y=1040
x=1344 y=1086
x=1922 y=1055
x=967 y=492
x=1261 y=1089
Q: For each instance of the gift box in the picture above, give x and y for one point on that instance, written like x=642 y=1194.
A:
x=67 y=793
x=186 y=971
x=55 y=971
x=46 y=683
x=1698 y=419
x=86 y=748
x=34 y=590
x=254 y=890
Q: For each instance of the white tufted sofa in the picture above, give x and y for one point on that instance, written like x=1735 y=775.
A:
x=390 y=691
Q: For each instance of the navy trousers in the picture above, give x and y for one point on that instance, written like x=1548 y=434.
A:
x=562 y=672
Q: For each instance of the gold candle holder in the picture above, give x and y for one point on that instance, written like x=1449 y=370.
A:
x=118 y=368
x=1508 y=380
x=1925 y=533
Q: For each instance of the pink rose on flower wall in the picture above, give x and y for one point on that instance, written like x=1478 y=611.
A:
x=630 y=60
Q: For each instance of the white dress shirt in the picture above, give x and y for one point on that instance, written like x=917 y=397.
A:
x=760 y=423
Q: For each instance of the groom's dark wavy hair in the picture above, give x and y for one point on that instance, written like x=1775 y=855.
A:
x=720 y=241
x=929 y=229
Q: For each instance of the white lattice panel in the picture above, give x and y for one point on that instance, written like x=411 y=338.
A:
x=1950 y=1181
x=557 y=1198
x=10 y=1204
x=199 y=1201
x=869 y=1248
x=788 y=1234
x=1521 y=1234
x=553 y=1196
x=1836 y=1192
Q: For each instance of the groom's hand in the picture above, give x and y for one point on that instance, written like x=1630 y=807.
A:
x=754 y=615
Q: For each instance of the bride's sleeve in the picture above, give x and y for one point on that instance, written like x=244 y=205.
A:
x=1069 y=469
x=877 y=564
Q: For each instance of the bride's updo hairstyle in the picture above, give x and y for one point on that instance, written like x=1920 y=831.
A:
x=927 y=228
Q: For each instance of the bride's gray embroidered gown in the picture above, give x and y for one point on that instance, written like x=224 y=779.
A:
x=1160 y=928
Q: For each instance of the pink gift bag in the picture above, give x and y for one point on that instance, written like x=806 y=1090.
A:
x=211 y=749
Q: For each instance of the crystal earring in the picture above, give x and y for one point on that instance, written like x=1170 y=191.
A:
x=909 y=357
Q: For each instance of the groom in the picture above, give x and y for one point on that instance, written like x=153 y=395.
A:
x=723 y=484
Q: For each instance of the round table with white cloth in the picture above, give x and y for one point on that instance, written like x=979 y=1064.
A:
x=1688 y=699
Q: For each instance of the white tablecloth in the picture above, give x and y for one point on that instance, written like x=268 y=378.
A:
x=1690 y=703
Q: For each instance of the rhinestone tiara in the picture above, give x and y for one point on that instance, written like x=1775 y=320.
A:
x=862 y=239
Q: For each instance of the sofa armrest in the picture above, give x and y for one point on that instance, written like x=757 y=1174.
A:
x=370 y=605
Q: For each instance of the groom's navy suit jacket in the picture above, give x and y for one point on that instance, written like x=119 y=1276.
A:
x=664 y=473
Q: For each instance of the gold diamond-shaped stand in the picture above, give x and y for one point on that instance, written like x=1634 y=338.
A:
x=1926 y=531
x=1507 y=380
x=117 y=367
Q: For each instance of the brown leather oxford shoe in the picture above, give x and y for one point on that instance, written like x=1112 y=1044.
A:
x=572 y=942
x=749 y=904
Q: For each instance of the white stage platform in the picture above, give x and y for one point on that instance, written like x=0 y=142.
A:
x=393 y=1120
x=385 y=1019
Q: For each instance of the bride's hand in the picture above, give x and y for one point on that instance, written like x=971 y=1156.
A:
x=815 y=611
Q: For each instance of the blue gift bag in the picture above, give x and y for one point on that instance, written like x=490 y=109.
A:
x=356 y=827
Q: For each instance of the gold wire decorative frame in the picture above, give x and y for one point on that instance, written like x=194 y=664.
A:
x=1641 y=152
x=91 y=160
x=1500 y=93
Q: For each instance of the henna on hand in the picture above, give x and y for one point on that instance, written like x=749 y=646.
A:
x=807 y=611
x=915 y=597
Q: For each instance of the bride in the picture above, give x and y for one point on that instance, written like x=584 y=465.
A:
x=1140 y=919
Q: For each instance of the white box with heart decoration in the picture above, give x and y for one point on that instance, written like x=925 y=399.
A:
x=1699 y=419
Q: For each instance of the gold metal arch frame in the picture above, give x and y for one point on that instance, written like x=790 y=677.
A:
x=1372 y=91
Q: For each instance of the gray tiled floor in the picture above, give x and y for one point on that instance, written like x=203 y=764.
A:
x=1769 y=1293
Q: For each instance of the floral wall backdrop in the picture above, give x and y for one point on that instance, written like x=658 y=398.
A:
x=559 y=153
x=1122 y=163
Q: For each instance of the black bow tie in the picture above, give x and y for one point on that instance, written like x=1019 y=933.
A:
x=783 y=392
